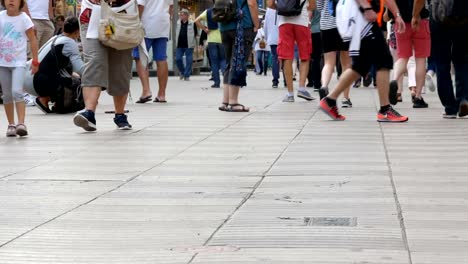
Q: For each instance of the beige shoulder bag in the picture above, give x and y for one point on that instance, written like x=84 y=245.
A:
x=120 y=30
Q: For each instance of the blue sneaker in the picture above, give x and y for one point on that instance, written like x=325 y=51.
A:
x=304 y=94
x=121 y=121
x=85 y=119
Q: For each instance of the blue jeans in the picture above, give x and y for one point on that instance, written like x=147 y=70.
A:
x=186 y=70
x=450 y=45
x=262 y=61
x=218 y=60
x=274 y=64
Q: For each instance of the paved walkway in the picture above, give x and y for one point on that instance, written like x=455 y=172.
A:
x=279 y=185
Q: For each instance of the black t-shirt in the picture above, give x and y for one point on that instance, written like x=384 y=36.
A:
x=182 y=42
x=406 y=10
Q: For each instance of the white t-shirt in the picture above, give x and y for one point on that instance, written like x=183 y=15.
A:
x=302 y=19
x=155 y=18
x=13 y=39
x=39 y=9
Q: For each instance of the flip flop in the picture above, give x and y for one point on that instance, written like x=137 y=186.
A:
x=157 y=100
x=42 y=107
x=224 y=107
x=143 y=100
x=231 y=108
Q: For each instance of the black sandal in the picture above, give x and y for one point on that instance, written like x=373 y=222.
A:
x=224 y=107
x=143 y=100
x=231 y=108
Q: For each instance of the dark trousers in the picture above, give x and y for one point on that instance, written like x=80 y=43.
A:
x=451 y=45
x=262 y=61
x=275 y=64
x=314 y=77
x=218 y=61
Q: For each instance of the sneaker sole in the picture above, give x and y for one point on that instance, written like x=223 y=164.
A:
x=393 y=93
x=82 y=122
x=449 y=116
x=420 y=106
x=305 y=97
x=125 y=128
x=392 y=121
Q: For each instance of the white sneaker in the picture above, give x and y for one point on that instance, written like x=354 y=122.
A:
x=29 y=100
x=430 y=83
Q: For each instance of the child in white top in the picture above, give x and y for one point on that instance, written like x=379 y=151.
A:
x=15 y=30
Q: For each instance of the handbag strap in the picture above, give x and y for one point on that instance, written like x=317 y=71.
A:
x=133 y=2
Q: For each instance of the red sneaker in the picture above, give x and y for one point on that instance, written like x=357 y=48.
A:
x=330 y=111
x=391 y=115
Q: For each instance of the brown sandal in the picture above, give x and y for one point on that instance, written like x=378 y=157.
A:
x=223 y=107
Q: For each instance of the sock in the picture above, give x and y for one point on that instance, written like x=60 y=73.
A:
x=330 y=102
x=290 y=94
x=302 y=89
x=384 y=108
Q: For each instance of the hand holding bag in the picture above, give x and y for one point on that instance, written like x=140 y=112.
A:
x=120 y=30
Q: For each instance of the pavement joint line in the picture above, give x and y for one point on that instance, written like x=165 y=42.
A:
x=128 y=180
x=57 y=180
x=255 y=187
x=84 y=148
x=395 y=196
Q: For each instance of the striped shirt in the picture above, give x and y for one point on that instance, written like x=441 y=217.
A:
x=327 y=21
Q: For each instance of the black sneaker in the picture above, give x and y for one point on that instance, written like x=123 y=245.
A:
x=419 y=103
x=393 y=92
x=367 y=80
x=323 y=92
x=86 y=120
x=121 y=121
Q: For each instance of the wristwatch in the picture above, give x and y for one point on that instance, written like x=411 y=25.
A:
x=398 y=14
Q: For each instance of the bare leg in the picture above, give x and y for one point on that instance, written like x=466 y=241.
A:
x=346 y=79
x=420 y=75
x=163 y=75
x=328 y=67
x=383 y=76
x=303 y=71
x=144 y=78
x=119 y=103
x=91 y=97
x=20 y=111
x=234 y=96
x=10 y=113
x=345 y=64
x=400 y=68
x=288 y=74
x=226 y=93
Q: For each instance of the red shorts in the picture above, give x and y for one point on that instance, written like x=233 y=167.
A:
x=290 y=34
x=419 y=41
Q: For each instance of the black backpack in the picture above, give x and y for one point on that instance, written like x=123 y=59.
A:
x=225 y=11
x=289 y=7
x=450 y=12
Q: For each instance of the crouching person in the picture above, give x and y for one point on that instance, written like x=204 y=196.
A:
x=59 y=54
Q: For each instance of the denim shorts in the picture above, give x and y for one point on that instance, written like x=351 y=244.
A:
x=159 y=46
